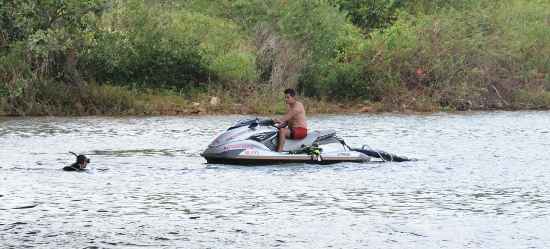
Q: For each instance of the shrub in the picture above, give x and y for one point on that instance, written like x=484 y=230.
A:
x=478 y=56
x=370 y=15
x=150 y=44
x=331 y=44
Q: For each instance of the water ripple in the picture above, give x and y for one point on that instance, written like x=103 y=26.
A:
x=481 y=183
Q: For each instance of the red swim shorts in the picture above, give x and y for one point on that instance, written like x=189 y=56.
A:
x=298 y=133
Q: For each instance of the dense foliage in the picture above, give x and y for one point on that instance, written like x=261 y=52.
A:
x=66 y=56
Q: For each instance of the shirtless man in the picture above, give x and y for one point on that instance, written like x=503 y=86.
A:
x=295 y=118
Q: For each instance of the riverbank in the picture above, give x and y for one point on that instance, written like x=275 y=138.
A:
x=110 y=100
x=121 y=100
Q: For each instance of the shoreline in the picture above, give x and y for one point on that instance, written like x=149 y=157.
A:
x=111 y=100
x=349 y=110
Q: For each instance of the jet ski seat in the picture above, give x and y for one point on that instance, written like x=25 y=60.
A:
x=296 y=144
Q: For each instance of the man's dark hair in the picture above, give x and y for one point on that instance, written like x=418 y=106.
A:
x=290 y=92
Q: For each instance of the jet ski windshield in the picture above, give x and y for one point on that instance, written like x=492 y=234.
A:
x=242 y=122
x=251 y=122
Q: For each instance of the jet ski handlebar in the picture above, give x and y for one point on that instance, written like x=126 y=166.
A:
x=265 y=122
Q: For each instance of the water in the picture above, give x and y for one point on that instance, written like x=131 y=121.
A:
x=483 y=182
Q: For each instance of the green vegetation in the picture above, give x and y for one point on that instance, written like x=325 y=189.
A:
x=480 y=57
x=94 y=57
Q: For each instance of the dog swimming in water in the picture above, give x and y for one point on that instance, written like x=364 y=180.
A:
x=80 y=164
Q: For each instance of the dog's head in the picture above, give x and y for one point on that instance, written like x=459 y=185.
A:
x=82 y=159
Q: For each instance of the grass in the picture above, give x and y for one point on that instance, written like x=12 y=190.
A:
x=106 y=99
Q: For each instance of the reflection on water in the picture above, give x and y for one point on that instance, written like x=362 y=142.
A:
x=482 y=183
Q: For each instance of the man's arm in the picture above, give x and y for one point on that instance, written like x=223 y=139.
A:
x=288 y=116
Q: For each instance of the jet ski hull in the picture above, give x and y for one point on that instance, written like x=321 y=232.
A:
x=253 y=157
x=277 y=161
x=253 y=142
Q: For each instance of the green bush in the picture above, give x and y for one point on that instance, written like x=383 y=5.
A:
x=14 y=71
x=478 y=56
x=142 y=47
x=421 y=7
x=336 y=81
x=333 y=46
x=149 y=44
x=121 y=59
x=54 y=32
x=371 y=15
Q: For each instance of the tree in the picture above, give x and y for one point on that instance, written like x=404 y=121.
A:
x=53 y=33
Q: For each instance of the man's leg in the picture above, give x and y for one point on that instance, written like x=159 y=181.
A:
x=283 y=134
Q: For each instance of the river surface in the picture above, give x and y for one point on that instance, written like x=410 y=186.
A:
x=483 y=181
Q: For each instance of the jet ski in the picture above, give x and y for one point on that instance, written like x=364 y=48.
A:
x=253 y=141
